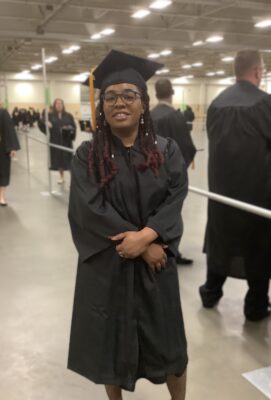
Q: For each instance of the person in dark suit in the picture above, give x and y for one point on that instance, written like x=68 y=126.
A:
x=9 y=144
x=169 y=122
x=237 y=243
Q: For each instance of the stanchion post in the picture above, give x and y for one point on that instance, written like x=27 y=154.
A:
x=6 y=92
x=27 y=152
x=46 y=100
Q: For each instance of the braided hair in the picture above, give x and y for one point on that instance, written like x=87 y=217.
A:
x=101 y=154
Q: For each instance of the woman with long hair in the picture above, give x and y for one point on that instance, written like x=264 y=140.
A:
x=62 y=132
x=127 y=190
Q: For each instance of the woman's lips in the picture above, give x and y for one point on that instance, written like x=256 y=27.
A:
x=120 y=116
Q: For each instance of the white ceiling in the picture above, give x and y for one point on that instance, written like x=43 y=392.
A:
x=28 y=25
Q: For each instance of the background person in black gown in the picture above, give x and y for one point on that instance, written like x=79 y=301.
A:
x=189 y=117
x=127 y=191
x=62 y=132
x=9 y=144
x=169 y=122
x=237 y=243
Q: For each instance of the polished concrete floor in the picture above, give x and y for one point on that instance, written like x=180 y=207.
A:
x=37 y=277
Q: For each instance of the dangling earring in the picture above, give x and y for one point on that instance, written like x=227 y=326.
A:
x=142 y=119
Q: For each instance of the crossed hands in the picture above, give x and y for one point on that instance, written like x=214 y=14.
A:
x=135 y=244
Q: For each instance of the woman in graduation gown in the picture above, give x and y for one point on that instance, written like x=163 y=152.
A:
x=127 y=190
x=63 y=133
x=9 y=144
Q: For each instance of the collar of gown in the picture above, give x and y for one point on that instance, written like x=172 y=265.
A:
x=119 y=147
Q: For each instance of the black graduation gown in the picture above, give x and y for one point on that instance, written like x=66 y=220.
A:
x=189 y=117
x=8 y=142
x=60 y=159
x=239 y=132
x=127 y=321
x=169 y=122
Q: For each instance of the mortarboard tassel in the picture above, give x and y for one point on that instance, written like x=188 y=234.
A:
x=92 y=100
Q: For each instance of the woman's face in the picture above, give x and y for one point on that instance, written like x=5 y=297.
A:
x=122 y=112
x=59 y=106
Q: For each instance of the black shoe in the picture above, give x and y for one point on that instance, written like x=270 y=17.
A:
x=183 y=261
x=209 y=298
x=255 y=315
x=259 y=316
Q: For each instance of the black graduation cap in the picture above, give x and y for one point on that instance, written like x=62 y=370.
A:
x=118 y=67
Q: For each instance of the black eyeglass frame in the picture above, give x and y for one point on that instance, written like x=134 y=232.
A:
x=120 y=95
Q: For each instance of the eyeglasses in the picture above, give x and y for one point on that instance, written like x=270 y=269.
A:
x=128 y=97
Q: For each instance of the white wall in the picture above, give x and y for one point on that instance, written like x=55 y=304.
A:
x=25 y=92
x=199 y=93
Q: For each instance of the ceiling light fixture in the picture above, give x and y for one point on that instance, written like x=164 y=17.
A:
x=107 y=31
x=140 y=14
x=214 y=39
x=49 y=60
x=266 y=23
x=96 y=36
x=210 y=74
x=36 y=67
x=198 y=43
x=197 y=64
x=24 y=75
x=220 y=72
x=160 y=4
x=186 y=66
x=75 y=48
x=67 y=51
x=153 y=55
x=162 y=71
x=180 y=80
x=227 y=59
x=165 y=53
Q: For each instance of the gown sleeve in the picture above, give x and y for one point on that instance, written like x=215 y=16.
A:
x=11 y=142
x=165 y=221
x=41 y=125
x=262 y=116
x=71 y=123
x=92 y=219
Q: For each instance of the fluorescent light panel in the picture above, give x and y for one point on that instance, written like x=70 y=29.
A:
x=36 y=67
x=75 y=48
x=162 y=71
x=67 y=51
x=49 y=60
x=214 y=39
x=186 y=66
x=266 y=23
x=227 y=59
x=96 y=36
x=160 y=4
x=165 y=53
x=141 y=14
x=198 y=43
x=197 y=64
x=154 y=55
x=107 y=31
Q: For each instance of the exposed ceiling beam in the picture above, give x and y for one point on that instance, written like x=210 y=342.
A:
x=127 y=7
x=50 y=16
